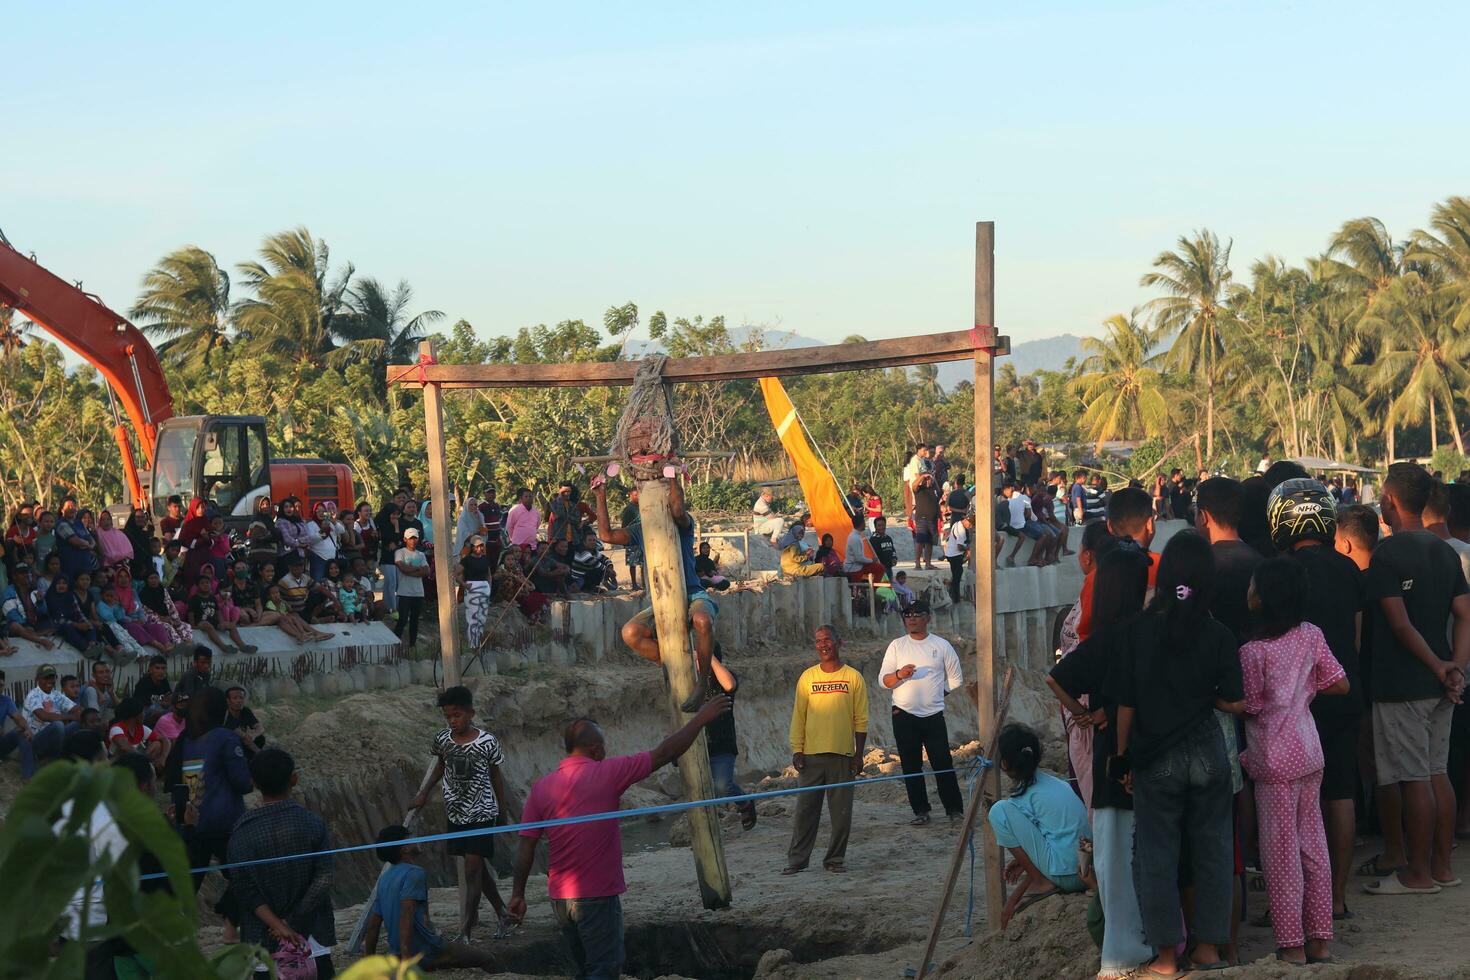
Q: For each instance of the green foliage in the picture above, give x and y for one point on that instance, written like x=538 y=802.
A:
x=1449 y=461
x=722 y=495
x=45 y=865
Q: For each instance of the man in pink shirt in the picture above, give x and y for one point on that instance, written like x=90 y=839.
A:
x=585 y=875
x=522 y=520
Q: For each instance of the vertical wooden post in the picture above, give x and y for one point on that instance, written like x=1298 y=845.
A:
x=663 y=550
x=984 y=543
x=449 y=640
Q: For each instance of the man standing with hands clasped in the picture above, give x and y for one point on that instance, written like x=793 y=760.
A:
x=829 y=727
x=920 y=669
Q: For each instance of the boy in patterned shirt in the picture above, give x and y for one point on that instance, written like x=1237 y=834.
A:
x=469 y=760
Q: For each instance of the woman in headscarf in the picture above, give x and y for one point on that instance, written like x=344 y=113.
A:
x=469 y=523
x=512 y=585
x=159 y=607
x=135 y=617
x=66 y=615
x=112 y=544
x=325 y=533
x=79 y=548
x=262 y=539
x=474 y=587
x=196 y=523
x=139 y=529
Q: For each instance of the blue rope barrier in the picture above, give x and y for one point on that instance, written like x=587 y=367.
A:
x=565 y=821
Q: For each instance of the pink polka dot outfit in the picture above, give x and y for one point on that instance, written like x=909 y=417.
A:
x=1284 y=757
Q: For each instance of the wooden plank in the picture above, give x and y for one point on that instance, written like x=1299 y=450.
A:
x=956 y=345
x=665 y=564
x=972 y=810
x=995 y=886
x=449 y=638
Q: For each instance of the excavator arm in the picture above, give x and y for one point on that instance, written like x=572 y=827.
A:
x=104 y=340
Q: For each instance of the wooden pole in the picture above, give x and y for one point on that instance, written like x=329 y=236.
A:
x=665 y=569
x=449 y=640
x=995 y=888
x=973 y=810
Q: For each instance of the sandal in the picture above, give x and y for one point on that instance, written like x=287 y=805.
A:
x=1032 y=898
x=836 y=869
x=1392 y=886
x=792 y=869
x=1370 y=868
x=747 y=816
x=1346 y=913
x=922 y=820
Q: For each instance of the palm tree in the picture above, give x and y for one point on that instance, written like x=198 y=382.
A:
x=1421 y=359
x=12 y=334
x=378 y=328
x=297 y=306
x=1193 y=278
x=186 y=299
x=928 y=378
x=1122 y=393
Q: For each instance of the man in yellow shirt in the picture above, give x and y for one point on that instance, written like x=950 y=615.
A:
x=829 y=726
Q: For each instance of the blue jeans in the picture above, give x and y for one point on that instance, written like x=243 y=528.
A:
x=1184 y=792
x=24 y=751
x=593 y=930
x=46 y=740
x=390 y=586
x=722 y=771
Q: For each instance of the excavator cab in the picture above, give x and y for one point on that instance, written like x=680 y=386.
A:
x=224 y=458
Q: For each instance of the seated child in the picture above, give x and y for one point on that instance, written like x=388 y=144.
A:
x=349 y=597
x=1042 y=823
x=402 y=906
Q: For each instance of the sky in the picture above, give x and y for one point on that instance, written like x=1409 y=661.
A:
x=813 y=167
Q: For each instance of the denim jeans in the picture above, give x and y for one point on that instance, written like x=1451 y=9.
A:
x=46 y=740
x=1182 y=796
x=593 y=930
x=24 y=752
x=722 y=772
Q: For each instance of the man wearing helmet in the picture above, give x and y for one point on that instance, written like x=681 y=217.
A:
x=1415 y=586
x=1302 y=515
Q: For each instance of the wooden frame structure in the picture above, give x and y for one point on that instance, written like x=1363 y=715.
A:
x=982 y=344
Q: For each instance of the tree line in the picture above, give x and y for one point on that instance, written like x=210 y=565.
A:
x=1358 y=353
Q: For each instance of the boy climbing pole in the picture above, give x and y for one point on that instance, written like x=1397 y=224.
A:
x=639 y=631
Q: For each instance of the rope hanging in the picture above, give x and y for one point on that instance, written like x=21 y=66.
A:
x=645 y=435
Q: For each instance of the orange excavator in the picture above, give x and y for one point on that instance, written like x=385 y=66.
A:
x=224 y=458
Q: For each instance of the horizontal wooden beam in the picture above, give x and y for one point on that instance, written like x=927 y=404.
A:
x=957 y=345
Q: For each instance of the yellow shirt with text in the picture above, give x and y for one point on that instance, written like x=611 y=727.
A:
x=829 y=709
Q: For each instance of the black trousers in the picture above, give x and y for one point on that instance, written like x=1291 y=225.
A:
x=410 y=607
x=957 y=575
x=916 y=736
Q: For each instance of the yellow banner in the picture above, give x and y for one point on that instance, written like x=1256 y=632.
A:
x=823 y=496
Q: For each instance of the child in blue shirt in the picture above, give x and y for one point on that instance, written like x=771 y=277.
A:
x=401 y=905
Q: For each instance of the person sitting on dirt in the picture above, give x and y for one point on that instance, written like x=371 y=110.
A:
x=796 y=560
x=153 y=690
x=401 y=904
x=1041 y=823
x=129 y=734
x=196 y=678
x=639 y=632
x=468 y=759
x=585 y=860
x=243 y=722
x=829 y=728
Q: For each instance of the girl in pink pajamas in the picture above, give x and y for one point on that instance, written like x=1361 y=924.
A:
x=1283 y=668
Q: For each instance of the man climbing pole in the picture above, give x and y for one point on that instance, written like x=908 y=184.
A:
x=640 y=632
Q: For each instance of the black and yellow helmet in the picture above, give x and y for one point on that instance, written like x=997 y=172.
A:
x=1301 y=510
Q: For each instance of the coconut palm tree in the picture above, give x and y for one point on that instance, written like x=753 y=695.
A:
x=1192 y=312
x=1122 y=394
x=377 y=327
x=1420 y=366
x=12 y=334
x=297 y=304
x=186 y=300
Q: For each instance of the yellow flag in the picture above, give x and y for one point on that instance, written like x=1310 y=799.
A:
x=823 y=496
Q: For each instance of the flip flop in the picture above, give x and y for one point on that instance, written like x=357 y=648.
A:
x=1392 y=886
x=1451 y=883
x=1033 y=897
x=1144 y=971
x=836 y=869
x=1346 y=913
x=792 y=869
x=1370 y=868
x=922 y=820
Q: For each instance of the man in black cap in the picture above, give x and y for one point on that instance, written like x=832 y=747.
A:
x=49 y=714
x=920 y=669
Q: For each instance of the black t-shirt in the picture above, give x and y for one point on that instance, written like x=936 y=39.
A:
x=1179 y=501
x=246 y=719
x=1235 y=563
x=630 y=515
x=476 y=567
x=926 y=504
x=705 y=567
x=1425 y=572
x=152 y=693
x=1335 y=595
x=246 y=593
x=720 y=733
x=390 y=539
x=1172 y=688
x=883 y=548
x=204 y=609
x=958 y=500
x=1028 y=464
x=1084 y=671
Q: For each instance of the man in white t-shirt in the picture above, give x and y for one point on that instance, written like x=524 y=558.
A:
x=920 y=669
x=765 y=518
x=49 y=713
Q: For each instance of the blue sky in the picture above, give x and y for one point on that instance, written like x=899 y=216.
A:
x=812 y=167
